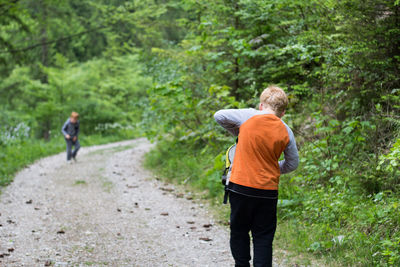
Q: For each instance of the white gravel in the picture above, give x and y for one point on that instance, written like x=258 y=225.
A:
x=105 y=210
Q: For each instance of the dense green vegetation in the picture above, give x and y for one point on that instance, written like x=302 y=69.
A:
x=163 y=67
x=56 y=58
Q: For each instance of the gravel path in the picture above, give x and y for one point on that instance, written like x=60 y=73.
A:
x=105 y=210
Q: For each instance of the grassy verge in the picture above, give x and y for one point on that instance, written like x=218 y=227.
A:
x=16 y=156
x=318 y=225
x=181 y=164
x=339 y=224
x=200 y=170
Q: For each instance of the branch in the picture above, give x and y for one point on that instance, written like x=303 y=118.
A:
x=51 y=41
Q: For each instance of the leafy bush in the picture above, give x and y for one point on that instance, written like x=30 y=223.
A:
x=103 y=92
x=389 y=167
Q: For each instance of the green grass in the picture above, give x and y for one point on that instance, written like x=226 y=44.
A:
x=187 y=165
x=317 y=225
x=17 y=156
x=106 y=184
x=112 y=149
x=78 y=182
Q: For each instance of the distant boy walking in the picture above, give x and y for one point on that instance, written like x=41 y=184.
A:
x=253 y=186
x=70 y=130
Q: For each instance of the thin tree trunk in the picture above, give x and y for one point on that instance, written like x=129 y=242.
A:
x=45 y=62
x=43 y=34
x=236 y=84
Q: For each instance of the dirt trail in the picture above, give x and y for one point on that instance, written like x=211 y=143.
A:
x=105 y=210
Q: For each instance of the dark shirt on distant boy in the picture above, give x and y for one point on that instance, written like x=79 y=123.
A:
x=71 y=129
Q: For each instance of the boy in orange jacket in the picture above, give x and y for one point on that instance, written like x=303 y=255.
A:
x=253 y=185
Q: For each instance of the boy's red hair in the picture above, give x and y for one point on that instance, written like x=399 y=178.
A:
x=74 y=115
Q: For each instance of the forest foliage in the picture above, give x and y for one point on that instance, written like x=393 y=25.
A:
x=163 y=67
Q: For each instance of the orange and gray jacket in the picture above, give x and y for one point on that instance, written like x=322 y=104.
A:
x=263 y=137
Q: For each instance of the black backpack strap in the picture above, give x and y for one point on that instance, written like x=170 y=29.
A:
x=226 y=194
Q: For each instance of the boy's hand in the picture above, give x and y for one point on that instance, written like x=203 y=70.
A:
x=67 y=136
x=74 y=139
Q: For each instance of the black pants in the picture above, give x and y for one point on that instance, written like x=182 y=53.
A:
x=70 y=143
x=257 y=215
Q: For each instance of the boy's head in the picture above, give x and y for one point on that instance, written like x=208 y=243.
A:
x=74 y=117
x=274 y=98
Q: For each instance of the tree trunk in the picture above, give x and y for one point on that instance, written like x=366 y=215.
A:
x=44 y=46
x=45 y=62
x=236 y=84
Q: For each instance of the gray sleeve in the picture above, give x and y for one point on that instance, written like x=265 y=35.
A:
x=64 y=128
x=291 y=154
x=232 y=119
x=78 y=128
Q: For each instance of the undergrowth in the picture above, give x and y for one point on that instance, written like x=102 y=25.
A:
x=178 y=163
x=334 y=223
